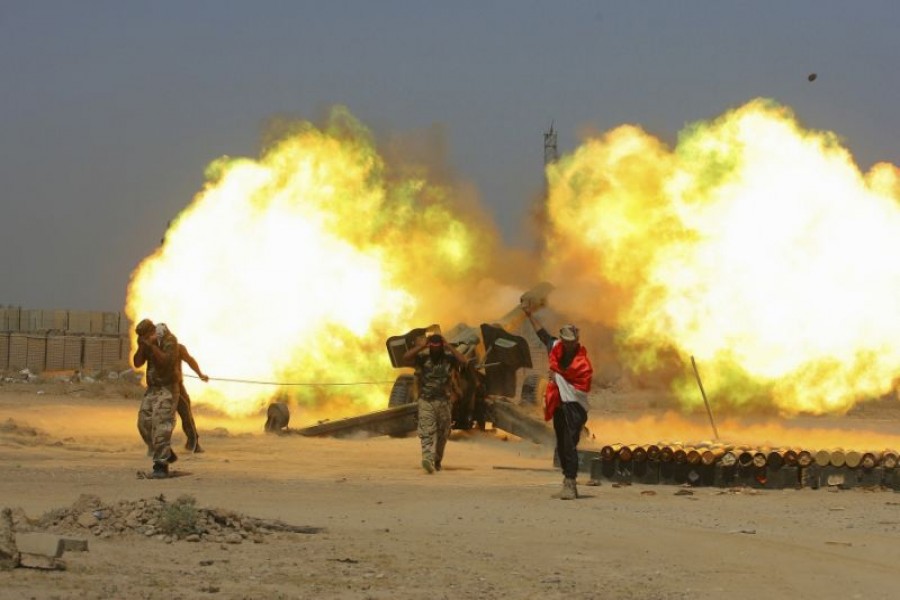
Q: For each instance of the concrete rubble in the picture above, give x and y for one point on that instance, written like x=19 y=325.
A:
x=153 y=518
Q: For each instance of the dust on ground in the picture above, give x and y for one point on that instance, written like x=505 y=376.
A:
x=377 y=526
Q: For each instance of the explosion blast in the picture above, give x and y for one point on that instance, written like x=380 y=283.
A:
x=297 y=266
x=755 y=245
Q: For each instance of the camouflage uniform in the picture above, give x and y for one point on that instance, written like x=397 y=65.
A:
x=156 y=417
x=183 y=408
x=435 y=379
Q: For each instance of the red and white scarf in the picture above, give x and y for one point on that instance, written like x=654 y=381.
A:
x=571 y=384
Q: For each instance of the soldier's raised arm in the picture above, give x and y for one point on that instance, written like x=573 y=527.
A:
x=539 y=329
x=409 y=359
x=455 y=353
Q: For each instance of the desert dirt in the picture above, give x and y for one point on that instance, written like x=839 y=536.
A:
x=484 y=527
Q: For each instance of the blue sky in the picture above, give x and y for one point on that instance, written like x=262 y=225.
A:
x=109 y=111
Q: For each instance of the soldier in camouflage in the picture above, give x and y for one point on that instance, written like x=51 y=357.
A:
x=158 y=349
x=184 y=410
x=434 y=371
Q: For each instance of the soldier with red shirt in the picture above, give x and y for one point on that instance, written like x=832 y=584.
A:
x=566 y=401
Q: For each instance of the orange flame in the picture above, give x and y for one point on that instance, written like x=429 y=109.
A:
x=297 y=266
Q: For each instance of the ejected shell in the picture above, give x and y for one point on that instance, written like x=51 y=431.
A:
x=804 y=458
x=666 y=454
x=729 y=459
x=823 y=458
x=790 y=457
x=759 y=459
x=607 y=453
x=638 y=454
x=853 y=459
x=889 y=459
x=775 y=459
x=710 y=456
x=652 y=452
x=693 y=456
x=869 y=460
x=745 y=458
x=838 y=458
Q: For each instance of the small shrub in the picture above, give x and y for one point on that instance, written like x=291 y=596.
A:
x=180 y=518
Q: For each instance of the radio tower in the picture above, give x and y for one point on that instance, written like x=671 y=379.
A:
x=550 y=152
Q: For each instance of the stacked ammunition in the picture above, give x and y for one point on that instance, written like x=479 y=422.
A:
x=726 y=465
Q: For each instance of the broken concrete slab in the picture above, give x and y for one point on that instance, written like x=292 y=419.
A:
x=39 y=561
x=44 y=544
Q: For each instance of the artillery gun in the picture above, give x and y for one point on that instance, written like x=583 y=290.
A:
x=484 y=388
x=494 y=355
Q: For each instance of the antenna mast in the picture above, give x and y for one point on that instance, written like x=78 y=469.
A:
x=550 y=152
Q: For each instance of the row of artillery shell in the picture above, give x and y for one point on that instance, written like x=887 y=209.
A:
x=744 y=456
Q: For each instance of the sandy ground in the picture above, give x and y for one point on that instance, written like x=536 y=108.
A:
x=485 y=527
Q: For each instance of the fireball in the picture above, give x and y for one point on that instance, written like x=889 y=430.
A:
x=294 y=267
x=754 y=244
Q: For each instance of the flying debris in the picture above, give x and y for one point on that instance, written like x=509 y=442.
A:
x=812 y=77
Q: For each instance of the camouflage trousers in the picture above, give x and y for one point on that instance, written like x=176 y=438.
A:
x=188 y=426
x=434 y=428
x=156 y=421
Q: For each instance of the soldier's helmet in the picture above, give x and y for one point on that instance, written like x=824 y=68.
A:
x=435 y=339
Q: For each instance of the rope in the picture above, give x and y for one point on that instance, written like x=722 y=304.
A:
x=290 y=383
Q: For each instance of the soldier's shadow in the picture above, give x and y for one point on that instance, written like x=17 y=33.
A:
x=172 y=474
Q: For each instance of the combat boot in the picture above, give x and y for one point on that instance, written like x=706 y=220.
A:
x=561 y=492
x=160 y=470
x=569 y=491
x=428 y=465
x=437 y=465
